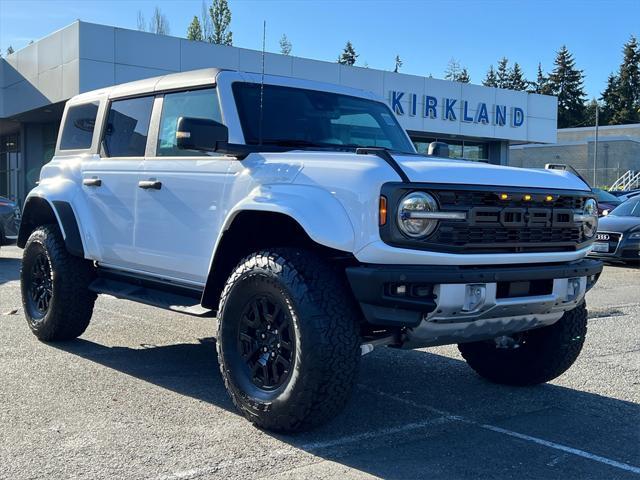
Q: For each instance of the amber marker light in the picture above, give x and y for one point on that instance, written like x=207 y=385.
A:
x=504 y=196
x=382 y=210
x=549 y=198
x=527 y=198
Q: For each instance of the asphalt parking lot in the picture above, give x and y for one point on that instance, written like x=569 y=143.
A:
x=140 y=396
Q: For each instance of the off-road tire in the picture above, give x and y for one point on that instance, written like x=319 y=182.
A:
x=71 y=303
x=543 y=354
x=327 y=343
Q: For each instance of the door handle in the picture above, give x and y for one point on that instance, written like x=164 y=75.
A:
x=92 y=182
x=150 y=184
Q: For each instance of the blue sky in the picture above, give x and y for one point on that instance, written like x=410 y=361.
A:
x=426 y=34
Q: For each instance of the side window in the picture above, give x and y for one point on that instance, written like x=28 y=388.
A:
x=127 y=127
x=77 y=131
x=195 y=104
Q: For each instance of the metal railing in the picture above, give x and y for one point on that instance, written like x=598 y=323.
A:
x=629 y=180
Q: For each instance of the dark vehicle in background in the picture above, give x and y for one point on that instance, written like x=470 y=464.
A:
x=618 y=237
x=606 y=200
x=9 y=221
x=625 y=193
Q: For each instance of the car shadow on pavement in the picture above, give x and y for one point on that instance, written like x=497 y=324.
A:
x=386 y=430
x=9 y=269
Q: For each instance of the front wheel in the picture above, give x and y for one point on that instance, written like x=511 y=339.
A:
x=288 y=341
x=531 y=357
x=55 y=287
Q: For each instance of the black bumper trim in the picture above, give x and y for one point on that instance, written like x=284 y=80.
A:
x=368 y=284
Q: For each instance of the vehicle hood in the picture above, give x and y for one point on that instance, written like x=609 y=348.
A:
x=618 y=224
x=442 y=170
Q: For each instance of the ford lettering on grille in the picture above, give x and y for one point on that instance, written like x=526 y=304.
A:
x=517 y=217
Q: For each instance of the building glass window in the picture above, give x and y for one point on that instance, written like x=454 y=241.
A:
x=194 y=104
x=10 y=158
x=461 y=149
x=77 y=132
x=127 y=127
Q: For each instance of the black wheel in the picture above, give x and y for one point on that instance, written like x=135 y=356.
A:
x=288 y=340
x=55 y=295
x=531 y=357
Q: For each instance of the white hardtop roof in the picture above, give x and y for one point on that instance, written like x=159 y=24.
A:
x=208 y=76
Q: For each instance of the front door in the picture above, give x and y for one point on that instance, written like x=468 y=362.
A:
x=111 y=180
x=180 y=213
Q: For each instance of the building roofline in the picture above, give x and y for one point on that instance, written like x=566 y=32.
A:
x=603 y=127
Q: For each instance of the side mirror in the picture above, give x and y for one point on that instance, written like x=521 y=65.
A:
x=200 y=134
x=438 y=149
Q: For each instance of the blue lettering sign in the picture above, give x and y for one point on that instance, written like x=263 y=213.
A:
x=395 y=102
x=501 y=115
x=517 y=117
x=465 y=112
x=430 y=104
x=483 y=114
x=413 y=105
x=449 y=114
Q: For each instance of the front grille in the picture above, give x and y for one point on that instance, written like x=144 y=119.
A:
x=494 y=225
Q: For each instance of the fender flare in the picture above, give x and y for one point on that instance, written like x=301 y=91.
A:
x=65 y=217
x=316 y=210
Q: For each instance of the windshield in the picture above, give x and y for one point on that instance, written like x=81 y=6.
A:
x=606 y=197
x=311 y=118
x=630 y=208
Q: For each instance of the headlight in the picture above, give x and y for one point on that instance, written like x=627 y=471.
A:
x=635 y=235
x=590 y=218
x=411 y=214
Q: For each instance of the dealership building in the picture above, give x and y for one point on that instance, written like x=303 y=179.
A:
x=478 y=123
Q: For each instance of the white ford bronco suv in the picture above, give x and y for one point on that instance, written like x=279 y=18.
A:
x=300 y=215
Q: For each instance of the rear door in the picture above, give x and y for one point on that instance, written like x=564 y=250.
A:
x=179 y=216
x=111 y=181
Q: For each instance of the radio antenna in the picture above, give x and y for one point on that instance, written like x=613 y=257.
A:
x=264 y=39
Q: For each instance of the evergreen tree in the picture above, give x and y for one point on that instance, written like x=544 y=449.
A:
x=540 y=85
x=464 y=76
x=398 y=64
x=285 y=45
x=610 y=100
x=566 y=82
x=348 y=55
x=516 y=80
x=221 y=19
x=453 y=70
x=626 y=108
x=159 y=23
x=194 y=32
x=503 y=74
x=590 y=113
x=490 y=79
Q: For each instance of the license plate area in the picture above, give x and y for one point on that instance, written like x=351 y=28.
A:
x=527 y=288
x=601 y=247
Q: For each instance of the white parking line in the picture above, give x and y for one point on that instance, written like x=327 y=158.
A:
x=337 y=442
x=504 y=431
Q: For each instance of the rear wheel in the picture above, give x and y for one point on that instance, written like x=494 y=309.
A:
x=531 y=357
x=57 y=301
x=288 y=340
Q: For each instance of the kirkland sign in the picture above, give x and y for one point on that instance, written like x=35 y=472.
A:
x=455 y=110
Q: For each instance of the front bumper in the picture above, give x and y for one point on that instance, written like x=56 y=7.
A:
x=438 y=301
